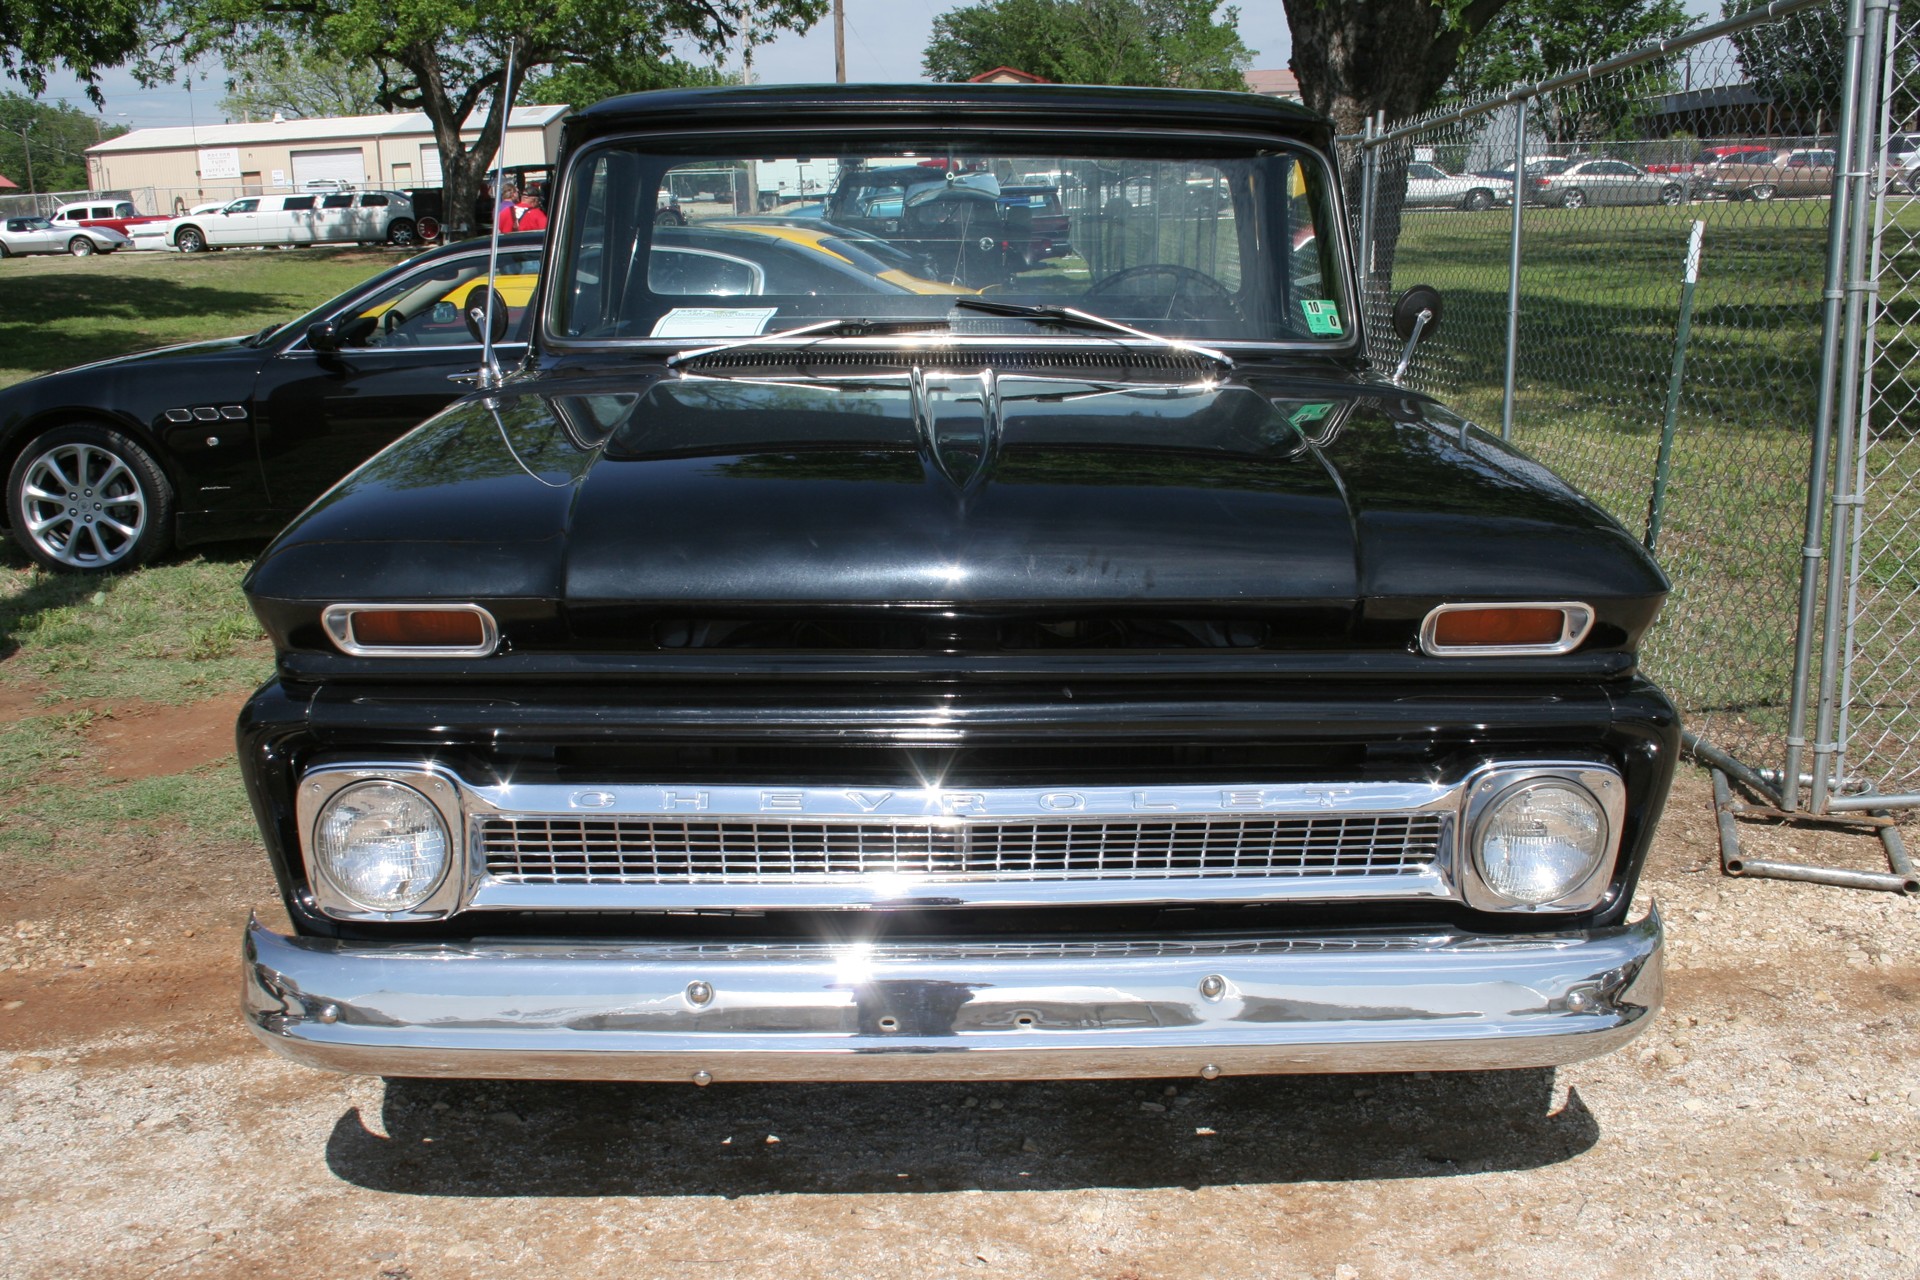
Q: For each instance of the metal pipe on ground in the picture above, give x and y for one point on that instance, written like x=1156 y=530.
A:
x=1720 y=760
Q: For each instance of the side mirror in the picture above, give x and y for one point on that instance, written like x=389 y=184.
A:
x=1415 y=315
x=324 y=336
x=477 y=313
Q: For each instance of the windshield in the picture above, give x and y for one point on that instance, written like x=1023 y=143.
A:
x=1215 y=244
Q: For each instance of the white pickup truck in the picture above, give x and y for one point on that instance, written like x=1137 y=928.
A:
x=342 y=217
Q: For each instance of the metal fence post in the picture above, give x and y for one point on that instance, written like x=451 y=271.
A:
x=1833 y=297
x=1690 y=277
x=1857 y=155
x=1513 y=270
x=1369 y=171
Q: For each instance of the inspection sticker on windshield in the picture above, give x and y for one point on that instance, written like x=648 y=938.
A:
x=715 y=322
x=1323 y=315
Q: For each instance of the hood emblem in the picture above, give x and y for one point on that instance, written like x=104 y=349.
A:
x=958 y=421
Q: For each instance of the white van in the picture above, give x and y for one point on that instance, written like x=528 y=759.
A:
x=347 y=217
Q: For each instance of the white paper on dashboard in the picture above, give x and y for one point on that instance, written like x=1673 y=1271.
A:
x=714 y=322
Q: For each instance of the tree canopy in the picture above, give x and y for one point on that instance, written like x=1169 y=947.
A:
x=1187 y=44
x=582 y=86
x=57 y=141
x=83 y=36
x=299 y=78
x=1533 y=39
x=1356 y=57
x=448 y=58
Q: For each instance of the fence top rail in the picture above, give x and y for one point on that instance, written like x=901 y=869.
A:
x=1619 y=62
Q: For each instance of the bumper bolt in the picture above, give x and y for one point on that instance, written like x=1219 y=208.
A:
x=328 y=1013
x=1209 y=1072
x=1213 y=986
x=699 y=993
x=703 y=1078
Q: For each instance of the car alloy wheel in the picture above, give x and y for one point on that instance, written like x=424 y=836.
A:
x=1479 y=200
x=80 y=247
x=401 y=232
x=1762 y=192
x=1574 y=199
x=1672 y=195
x=88 y=498
x=190 y=240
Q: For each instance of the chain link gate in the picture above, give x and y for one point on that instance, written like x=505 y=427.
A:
x=1749 y=406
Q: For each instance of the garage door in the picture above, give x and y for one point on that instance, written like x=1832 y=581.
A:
x=337 y=164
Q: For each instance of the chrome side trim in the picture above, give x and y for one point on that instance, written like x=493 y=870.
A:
x=338 y=621
x=973 y=1009
x=1576 y=620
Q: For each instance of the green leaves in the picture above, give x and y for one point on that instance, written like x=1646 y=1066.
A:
x=1189 y=44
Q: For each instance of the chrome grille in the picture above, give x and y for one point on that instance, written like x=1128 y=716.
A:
x=568 y=850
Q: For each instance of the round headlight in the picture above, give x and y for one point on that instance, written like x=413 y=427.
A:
x=383 y=845
x=1541 y=840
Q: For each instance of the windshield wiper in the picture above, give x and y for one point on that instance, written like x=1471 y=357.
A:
x=1070 y=318
x=843 y=328
x=261 y=336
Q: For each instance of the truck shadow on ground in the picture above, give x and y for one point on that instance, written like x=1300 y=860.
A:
x=493 y=1138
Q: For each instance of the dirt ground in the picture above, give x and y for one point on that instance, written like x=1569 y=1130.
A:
x=1768 y=1126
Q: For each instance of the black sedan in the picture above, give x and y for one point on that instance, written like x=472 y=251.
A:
x=110 y=464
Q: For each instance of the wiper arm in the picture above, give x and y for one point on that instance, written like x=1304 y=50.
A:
x=261 y=336
x=1070 y=318
x=843 y=328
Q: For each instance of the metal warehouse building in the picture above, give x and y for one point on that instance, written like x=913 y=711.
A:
x=182 y=167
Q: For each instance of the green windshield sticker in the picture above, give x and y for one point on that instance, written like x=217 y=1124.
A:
x=1323 y=316
x=1307 y=413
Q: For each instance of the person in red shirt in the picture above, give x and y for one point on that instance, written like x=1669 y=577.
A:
x=530 y=216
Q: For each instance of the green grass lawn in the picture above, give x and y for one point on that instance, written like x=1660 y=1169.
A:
x=58 y=311
x=1600 y=292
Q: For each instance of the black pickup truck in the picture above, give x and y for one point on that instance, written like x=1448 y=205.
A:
x=1105 y=672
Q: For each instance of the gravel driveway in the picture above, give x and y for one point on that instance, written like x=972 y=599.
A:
x=1768 y=1126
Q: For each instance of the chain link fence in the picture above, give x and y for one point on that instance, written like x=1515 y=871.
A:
x=1642 y=264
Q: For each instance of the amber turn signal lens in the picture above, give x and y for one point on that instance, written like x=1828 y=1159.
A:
x=1476 y=628
x=418 y=628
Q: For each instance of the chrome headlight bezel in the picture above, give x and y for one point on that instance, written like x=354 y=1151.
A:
x=1601 y=782
x=320 y=786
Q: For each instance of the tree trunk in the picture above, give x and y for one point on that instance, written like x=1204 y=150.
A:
x=1357 y=57
x=463 y=168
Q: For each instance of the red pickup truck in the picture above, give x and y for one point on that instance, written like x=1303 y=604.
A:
x=120 y=215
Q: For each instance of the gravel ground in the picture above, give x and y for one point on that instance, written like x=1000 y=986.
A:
x=1767 y=1126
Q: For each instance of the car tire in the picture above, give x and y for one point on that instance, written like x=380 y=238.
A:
x=130 y=522
x=1672 y=194
x=190 y=240
x=1479 y=200
x=1765 y=191
x=401 y=232
x=669 y=218
x=1574 y=199
x=3 y=252
x=81 y=247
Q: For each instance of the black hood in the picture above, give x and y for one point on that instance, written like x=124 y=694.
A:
x=974 y=491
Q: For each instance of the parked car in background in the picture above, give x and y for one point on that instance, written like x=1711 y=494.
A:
x=1109 y=675
x=1574 y=184
x=1787 y=173
x=109 y=464
x=24 y=235
x=1429 y=186
x=115 y=215
x=364 y=217
x=1049 y=231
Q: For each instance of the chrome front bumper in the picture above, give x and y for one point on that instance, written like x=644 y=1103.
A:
x=1360 y=1001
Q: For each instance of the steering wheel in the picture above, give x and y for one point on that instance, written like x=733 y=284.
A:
x=1188 y=284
